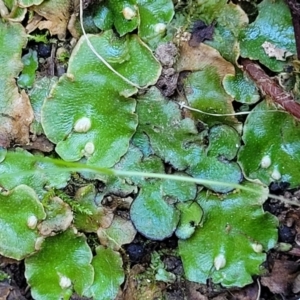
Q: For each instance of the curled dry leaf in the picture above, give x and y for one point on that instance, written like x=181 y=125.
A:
x=282 y=276
x=16 y=113
x=197 y=58
x=57 y=14
x=16 y=120
x=33 y=23
x=8 y=291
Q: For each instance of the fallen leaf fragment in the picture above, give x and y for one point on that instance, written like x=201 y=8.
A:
x=8 y=292
x=296 y=285
x=195 y=291
x=16 y=113
x=57 y=14
x=282 y=276
x=197 y=58
x=15 y=120
x=33 y=23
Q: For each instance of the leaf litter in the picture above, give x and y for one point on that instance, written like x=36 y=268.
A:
x=100 y=128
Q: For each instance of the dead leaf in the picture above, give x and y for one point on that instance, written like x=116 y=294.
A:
x=33 y=23
x=282 y=276
x=197 y=58
x=16 y=113
x=296 y=285
x=4 y=291
x=292 y=219
x=15 y=119
x=8 y=292
x=57 y=14
x=131 y=284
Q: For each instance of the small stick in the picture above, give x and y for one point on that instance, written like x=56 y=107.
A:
x=271 y=88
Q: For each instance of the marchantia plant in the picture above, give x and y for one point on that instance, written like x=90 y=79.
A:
x=111 y=124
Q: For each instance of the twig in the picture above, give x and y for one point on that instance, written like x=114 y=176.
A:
x=271 y=88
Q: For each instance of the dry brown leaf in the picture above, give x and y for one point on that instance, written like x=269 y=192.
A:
x=131 y=284
x=4 y=291
x=33 y=23
x=16 y=113
x=197 y=58
x=15 y=119
x=282 y=276
x=8 y=292
x=57 y=14
x=296 y=285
